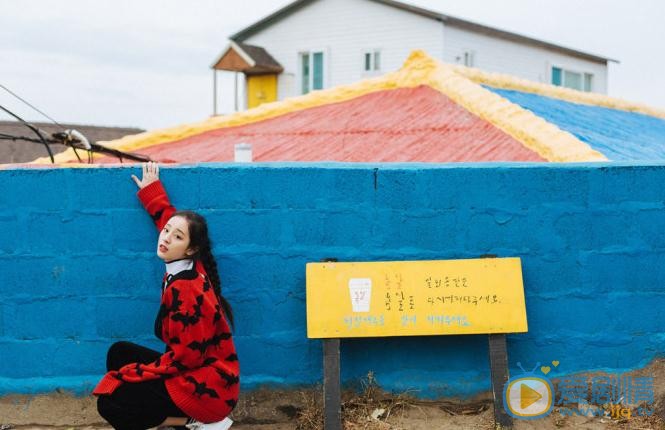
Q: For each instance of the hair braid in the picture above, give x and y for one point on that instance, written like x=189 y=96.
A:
x=199 y=240
x=210 y=264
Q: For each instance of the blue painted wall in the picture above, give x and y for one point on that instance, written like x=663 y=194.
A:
x=619 y=135
x=79 y=270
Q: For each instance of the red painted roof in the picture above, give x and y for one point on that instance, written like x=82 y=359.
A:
x=402 y=125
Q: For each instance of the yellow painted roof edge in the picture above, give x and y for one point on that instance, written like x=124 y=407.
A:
x=398 y=79
x=535 y=133
x=508 y=82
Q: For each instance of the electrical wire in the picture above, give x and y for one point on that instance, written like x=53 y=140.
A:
x=26 y=102
x=71 y=138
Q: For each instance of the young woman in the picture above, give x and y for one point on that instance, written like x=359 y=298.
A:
x=195 y=380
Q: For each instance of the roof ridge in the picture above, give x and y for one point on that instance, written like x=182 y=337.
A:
x=535 y=133
x=508 y=82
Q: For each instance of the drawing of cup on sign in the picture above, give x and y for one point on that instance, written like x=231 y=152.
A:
x=361 y=293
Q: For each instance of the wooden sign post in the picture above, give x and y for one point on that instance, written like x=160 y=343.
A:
x=414 y=298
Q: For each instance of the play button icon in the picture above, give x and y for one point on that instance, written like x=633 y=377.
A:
x=528 y=397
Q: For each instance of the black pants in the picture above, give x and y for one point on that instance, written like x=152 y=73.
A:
x=135 y=406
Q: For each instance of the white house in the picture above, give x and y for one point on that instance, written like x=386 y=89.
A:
x=316 y=44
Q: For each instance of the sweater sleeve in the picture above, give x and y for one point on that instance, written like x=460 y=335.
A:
x=188 y=330
x=156 y=203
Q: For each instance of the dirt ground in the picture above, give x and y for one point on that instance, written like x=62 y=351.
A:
x=301 y=410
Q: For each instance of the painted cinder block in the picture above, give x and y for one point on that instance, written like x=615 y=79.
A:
x=30 y=275
x=34 y=189
x=115 y=274
x=615 y=184
x=2 y=320
x=51 y=358
x=589 y=237
x=423 y=229
x=288 y=348
x=125 y=317
x=101 y=188
x=43 y=318
x=133 y=230
x=244 y=227
x=87 y=232
x=182 y=184
x=397 y=188
x=9 y=228
x=585 y=316
x=314 y=228
x=551 y=274
x=623 y=271
x=46 y=232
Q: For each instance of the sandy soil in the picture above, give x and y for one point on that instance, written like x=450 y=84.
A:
x=286 y=410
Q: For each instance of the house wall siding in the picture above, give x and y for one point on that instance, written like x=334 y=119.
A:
x=518 y=59
x=344 y=29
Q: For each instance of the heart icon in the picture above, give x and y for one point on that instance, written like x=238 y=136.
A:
x=555 y=363
x=545 y=369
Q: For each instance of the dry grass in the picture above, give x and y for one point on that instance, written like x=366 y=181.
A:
x=368 y=410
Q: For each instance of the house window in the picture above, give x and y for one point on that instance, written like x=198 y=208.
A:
x=372 y=61
x=572 y=79
x=468 y=58
x=311 y=71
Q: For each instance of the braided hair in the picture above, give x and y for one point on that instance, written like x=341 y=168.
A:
x=200 y=241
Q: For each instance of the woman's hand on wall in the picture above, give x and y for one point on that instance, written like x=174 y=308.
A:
x=150 y=174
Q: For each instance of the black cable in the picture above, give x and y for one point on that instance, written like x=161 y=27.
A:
x=24 y=101
x=65 y=138
x=33 y=128
x=77 y=155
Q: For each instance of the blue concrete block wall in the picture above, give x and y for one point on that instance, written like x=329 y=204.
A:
x=77 y=254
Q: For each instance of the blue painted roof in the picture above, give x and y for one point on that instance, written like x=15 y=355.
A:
x=617 y=134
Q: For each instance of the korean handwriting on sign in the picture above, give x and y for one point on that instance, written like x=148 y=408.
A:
x=403 y=302
x=359 y=296
x=393 y=281
x=489 y=299
x=408 y=320
x=352 y=322
x=458 y=320
x=446 y=282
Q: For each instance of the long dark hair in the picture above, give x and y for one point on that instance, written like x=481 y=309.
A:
x=200 y=241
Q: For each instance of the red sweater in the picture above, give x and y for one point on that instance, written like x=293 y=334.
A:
x=200 y=366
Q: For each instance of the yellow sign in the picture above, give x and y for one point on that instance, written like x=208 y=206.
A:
x=409 y=298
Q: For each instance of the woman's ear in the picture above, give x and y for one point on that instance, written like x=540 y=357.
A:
x=191 y=252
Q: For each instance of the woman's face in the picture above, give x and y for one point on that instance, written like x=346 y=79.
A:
x=173 y=243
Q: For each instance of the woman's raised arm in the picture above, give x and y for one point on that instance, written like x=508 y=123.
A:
x=150 y=174
x=153 y=196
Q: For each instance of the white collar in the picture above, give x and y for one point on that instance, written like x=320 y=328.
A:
x=178 y=266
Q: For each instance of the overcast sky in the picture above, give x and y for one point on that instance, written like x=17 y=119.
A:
x=146 y=63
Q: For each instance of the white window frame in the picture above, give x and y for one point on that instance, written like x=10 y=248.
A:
x=324 y=72
x=469 y=58
x=565 y=69
x=373 y=66
x=466 y=58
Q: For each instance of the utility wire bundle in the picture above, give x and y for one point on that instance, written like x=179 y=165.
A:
x=72 y=138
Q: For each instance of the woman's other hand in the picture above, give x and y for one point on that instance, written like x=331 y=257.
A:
x=150 y=174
